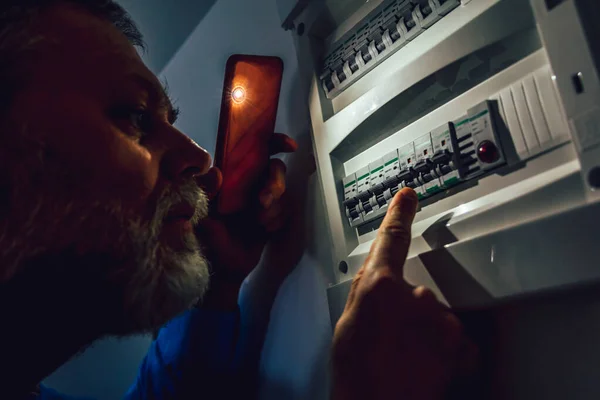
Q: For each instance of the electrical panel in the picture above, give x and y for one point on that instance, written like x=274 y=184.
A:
x=488 y=109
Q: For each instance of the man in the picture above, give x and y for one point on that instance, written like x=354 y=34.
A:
x=105 y=230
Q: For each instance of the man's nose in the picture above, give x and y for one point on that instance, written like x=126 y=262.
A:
x=185 y=159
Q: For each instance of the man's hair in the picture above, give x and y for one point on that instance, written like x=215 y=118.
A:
x=17 y=17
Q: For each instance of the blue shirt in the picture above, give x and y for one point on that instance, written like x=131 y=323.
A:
x=194 y=356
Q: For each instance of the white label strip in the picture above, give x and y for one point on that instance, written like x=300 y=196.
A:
x=512 y=121
x=537 y=114
x=525 y=118
x=549 y=101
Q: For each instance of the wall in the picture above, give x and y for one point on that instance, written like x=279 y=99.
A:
x=195 y=74
x=294 y=358
x=166 y=25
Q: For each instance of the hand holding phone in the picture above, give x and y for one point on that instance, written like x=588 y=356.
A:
x=246 y=124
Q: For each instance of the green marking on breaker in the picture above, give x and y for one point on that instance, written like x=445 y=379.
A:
x=363 y=177
x=377 y=169
x=349 y=184
x=391 y=162
x=481 y=114
x=451 y=181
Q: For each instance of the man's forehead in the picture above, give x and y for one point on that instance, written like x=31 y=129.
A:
x=83 y=45
x=157 y=91
x=69 y=33
x=73 y=25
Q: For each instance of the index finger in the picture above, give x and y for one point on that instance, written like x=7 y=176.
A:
x=393 y=239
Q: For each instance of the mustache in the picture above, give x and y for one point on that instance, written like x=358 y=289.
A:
x=188 y=193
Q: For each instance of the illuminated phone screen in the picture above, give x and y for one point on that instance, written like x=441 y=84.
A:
x=246 y=124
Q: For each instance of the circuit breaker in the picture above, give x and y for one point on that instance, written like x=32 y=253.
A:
x=351 y=202
x=391 y=169
x=445 y=158
x=377 y=188
x=424 y=166
x=363 y=192
x=407 y=175
x=426 y=13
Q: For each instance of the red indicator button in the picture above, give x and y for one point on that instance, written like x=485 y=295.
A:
x=488 y=152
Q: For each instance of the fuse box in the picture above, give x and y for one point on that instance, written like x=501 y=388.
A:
x=486 y=108
x=491 y=109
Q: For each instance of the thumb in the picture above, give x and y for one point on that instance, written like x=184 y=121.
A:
x=393 y=240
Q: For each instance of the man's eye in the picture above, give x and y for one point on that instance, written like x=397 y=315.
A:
x=137 y=121
x=140 y=120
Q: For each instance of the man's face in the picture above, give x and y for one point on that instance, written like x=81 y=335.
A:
x=92 y=164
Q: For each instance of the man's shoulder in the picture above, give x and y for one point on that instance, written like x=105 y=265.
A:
x=45 y=393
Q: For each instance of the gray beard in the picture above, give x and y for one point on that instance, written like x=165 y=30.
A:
x=163 y=282
x=155 y=282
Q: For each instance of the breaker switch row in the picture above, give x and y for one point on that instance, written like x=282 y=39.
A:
x=387 y=29
x=453 y=152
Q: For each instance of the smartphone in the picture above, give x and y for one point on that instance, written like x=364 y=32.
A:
x=246 y=124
